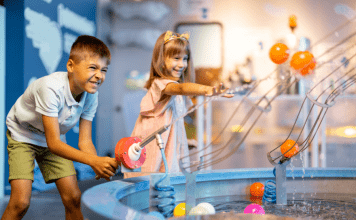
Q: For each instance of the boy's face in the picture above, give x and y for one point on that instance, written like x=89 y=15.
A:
x=87 y=75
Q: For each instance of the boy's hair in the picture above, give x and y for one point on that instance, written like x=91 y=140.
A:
x=91 y=45
x=169 y=49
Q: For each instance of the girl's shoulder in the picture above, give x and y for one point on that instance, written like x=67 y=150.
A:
x=159 y=85
x=162 y=82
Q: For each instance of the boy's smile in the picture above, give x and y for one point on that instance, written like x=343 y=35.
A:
x=87 y=75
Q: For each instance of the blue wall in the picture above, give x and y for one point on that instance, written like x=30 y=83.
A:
x=2 y=98
x=39 y=36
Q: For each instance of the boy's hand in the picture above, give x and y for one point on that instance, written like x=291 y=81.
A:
x=220 y=90
x=104 y=167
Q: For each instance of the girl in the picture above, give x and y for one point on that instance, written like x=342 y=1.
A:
x=170 y=84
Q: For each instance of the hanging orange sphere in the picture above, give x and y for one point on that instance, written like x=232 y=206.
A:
x=279 y=53
x=301 y=59
x=295 y=62
x=257 y=189
x=311 y=66
x=287 y=145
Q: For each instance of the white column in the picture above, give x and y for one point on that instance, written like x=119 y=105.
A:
x=323 y=144
x=315 y=144
x=305 y=112
x=200 y=125
x=208 y=124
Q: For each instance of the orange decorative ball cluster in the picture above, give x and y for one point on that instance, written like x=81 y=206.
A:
x=303 y=61
x=287 y=145
x=257 y=189
x=292 y=21
x=279 y=53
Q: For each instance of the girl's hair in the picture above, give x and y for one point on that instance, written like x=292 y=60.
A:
x=163 y=50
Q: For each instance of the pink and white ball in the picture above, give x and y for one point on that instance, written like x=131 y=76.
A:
x=254 y=209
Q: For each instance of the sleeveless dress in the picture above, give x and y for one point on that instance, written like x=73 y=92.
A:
x=157 y=110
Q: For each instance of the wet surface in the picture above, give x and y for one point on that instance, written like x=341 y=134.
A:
x=303 y=206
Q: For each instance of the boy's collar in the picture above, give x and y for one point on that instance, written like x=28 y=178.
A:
x=69 y=97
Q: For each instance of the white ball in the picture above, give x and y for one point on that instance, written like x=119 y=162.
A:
x=208 y=207
x=198 y=210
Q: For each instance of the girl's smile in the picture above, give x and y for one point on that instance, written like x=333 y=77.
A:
x=177 y=64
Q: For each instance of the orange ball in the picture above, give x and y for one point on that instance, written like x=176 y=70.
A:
x=306 y=70
x=287 y=145
x=301 y=59
x=257 y=189
x=279 y=53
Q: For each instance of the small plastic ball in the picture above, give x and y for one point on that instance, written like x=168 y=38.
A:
x=207 y=206
x=254 y=209
x=157 y=214
x=257 y=189
x=198 y=210
x=179 y=210
x=279 y=53
x=287 y=145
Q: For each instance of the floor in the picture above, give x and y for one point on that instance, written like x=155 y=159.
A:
x=47 y=205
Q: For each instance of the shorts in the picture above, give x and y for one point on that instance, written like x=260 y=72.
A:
x=22 y=162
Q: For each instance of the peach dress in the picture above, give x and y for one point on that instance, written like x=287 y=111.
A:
x=157 y=110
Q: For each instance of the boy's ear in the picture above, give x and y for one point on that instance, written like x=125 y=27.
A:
x=70 y=65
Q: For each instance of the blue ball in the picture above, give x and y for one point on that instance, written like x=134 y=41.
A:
x=157 y=214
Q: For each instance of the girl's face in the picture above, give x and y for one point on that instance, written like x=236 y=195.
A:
x=176 y=64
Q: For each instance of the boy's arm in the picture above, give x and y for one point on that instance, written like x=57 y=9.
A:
x=193 y=89
x=85 y=137
x=103 y=166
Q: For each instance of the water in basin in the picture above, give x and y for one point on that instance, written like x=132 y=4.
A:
x=303 y=206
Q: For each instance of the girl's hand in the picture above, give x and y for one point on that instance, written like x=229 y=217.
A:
x=220 y=90
x=104 y=167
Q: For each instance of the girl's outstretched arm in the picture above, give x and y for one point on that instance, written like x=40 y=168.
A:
x=194 y=89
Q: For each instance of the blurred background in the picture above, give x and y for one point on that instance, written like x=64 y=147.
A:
x=230 y=42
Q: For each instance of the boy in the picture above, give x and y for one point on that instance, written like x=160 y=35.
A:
x=39 y=120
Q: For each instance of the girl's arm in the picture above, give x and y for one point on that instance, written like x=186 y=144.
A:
x=194 y=89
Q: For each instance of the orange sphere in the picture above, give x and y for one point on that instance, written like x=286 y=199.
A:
x=301 y=59
x=287 y=145
x=306 y=70
x=257 y=189
x=279 y=53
